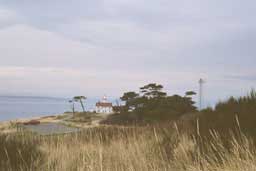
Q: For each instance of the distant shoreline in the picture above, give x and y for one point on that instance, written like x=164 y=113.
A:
x=30 y=118
x=35 y=97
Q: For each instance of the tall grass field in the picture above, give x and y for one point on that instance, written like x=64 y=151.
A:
x=136 y=148
x=219 y=139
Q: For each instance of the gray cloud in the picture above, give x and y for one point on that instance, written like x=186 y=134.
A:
x=251 y=78
x=118 y=45
x=8 y=18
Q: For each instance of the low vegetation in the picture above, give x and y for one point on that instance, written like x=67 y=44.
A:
x=226 y=115
x=164 y=147
x=19 y=152
x=152 y=131
x=152 y=105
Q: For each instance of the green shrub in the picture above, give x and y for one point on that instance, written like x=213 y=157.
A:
x=233 y=114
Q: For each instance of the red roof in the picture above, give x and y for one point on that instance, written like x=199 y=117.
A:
x=102 y=104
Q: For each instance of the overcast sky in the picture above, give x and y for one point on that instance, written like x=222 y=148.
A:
x=63 y=48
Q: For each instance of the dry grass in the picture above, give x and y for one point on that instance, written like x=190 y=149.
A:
x=131 y=149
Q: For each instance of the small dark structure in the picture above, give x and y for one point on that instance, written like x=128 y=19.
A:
x=32 y=122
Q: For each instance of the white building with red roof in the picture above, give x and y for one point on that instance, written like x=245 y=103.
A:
x=104 y=106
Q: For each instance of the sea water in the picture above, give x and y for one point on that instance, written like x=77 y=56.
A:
x=13 y=107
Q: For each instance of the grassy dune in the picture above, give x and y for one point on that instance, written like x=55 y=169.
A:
x=123 y=148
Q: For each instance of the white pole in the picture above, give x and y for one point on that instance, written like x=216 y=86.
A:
x=201 y=81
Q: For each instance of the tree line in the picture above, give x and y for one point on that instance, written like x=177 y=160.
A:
x=153 y=103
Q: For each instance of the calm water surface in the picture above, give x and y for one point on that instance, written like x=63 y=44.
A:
x=15 y=107
x=24 y=107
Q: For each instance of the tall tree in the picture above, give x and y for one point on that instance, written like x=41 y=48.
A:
x=130 y=100
x=80 y=99
x=73 y=106
x=153 y=90
x=190 y=93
